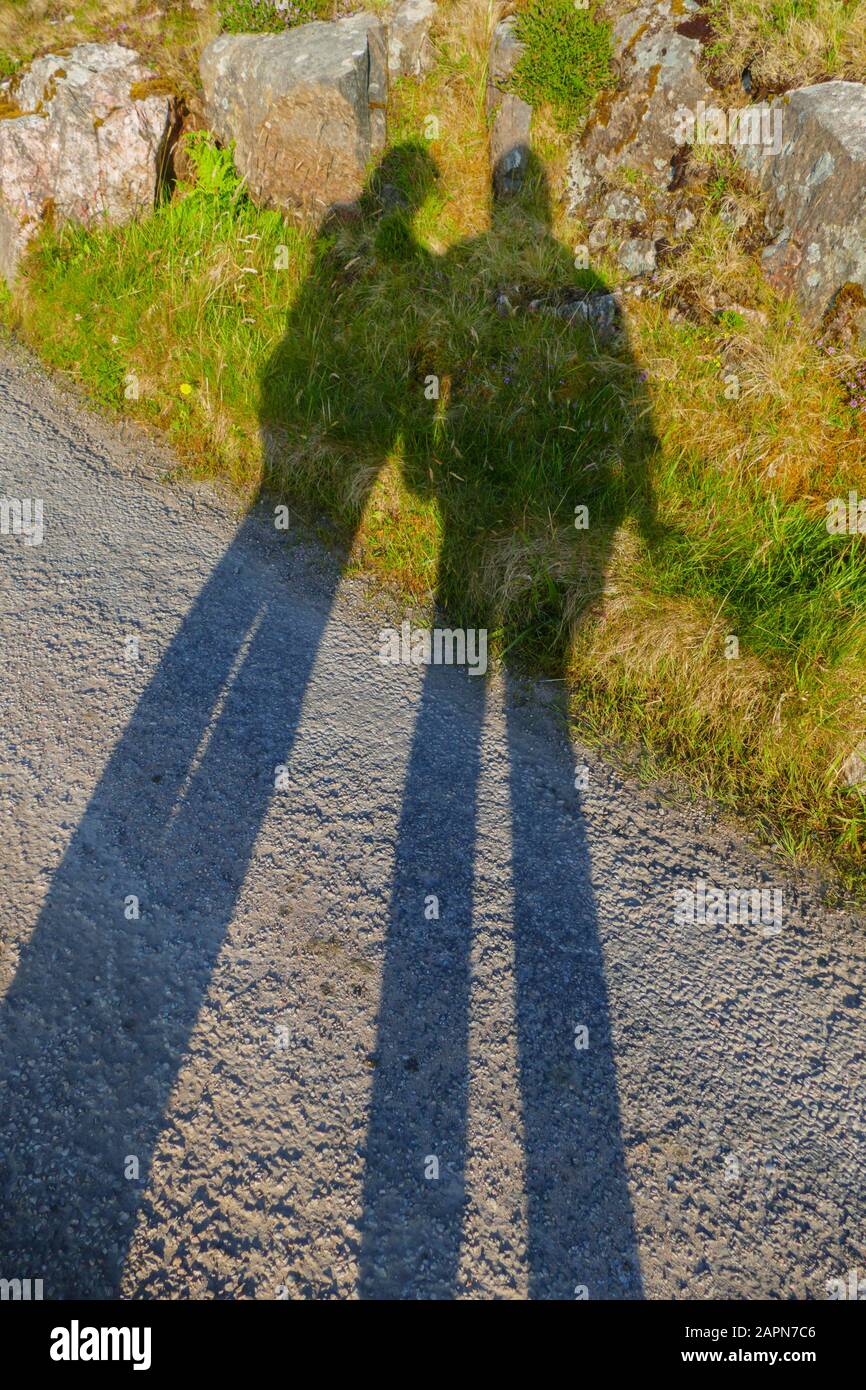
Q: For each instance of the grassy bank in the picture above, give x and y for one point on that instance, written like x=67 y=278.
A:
x=406 y=375
x=789 y=43
x=169 y=35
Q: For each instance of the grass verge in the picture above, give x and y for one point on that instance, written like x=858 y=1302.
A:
x=789 y=43
x=407 y=375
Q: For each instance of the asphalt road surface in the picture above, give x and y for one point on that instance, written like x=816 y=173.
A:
x=320 y=977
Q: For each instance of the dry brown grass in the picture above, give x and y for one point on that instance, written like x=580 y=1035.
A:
x=758 y=402
x=170 y=35
x=454 y=95
x=788 y=43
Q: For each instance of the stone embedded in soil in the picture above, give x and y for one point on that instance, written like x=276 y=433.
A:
x=305 y=108
x=813 y=171
x=852 y=773
x=622 y=206
x=639 y=126
x=637 y=256
x=90 y=146
x=600 y=234
x=511 y=116
x=410 y=51
x=597 y=308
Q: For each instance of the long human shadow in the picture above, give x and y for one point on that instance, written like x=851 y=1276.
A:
x=581 y=1240
x=97 y=1021
x=98 y=1017
x=489 y=469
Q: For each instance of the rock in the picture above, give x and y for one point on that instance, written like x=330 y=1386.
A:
x=305 y=108
x=624 y=207
x=90 y=145
x=814 y=174
x=410 y=51
x=191 y=119
x=638 y=256
x=852 y=773
x=505 y=50
x=844 y=324
x=684 y=221
x=640 y=126
x=509 y=144
x=598 y=309
x=511 y=116
x=600 y=234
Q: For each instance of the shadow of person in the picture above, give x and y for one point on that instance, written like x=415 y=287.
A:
x=537 y=453
x=97 y=1020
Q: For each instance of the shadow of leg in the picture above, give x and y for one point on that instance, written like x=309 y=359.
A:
x=412 y=1219
x=580 y=1226
x=96 y=1022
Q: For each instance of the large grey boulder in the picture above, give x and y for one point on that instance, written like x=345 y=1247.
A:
x=510 y=116
x=410 y=51
x=814 y=175
x=657 y=47
x=89 y=146
x=306 y=110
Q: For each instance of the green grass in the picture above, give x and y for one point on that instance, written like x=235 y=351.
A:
x=789 y=588
x=303 y=364
x=270 y=16
x=567 y=57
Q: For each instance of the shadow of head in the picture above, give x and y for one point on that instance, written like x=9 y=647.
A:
x=520 y=195
x=401 y=182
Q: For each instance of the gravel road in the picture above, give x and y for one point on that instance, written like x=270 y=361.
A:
x=240 y=1054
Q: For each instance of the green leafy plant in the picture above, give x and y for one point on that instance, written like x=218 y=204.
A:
x=566 y=59
x=214 y=167
x=267 y=16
